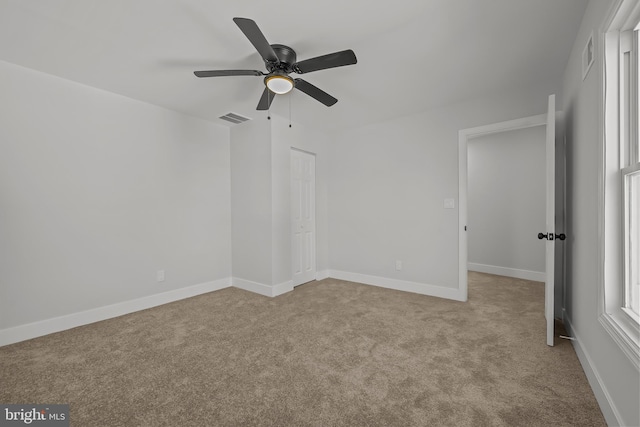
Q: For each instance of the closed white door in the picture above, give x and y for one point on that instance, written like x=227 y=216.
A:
x=303 y=216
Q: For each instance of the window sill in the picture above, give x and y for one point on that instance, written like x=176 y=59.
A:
x=625 y=332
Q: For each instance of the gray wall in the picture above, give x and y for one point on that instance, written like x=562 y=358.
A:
x=251 y=203
x=506 y=202
x=98 y=192
x=388 y=183
x=612 y=375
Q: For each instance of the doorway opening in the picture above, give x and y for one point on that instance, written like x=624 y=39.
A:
x=465 y=136
x=549 y=232
x=506 y=203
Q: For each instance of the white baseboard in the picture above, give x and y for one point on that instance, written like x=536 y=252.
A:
x=400 y=285
x=282 y=288
x=536 y=276
x=322 y=274
x=607 y=406
x=261 y=288
x=255 y=287
x=57 y=324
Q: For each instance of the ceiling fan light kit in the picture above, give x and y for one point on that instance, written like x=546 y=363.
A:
x=279 y=83
x=280 y=61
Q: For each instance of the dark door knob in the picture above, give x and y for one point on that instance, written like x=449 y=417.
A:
x=551 y=236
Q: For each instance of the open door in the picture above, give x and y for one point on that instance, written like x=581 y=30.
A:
x=550 y=219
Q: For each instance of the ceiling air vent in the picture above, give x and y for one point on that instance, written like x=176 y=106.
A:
x=234 y=118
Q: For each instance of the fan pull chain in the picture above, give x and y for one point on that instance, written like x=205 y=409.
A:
x=269 y=105
x=290 y=95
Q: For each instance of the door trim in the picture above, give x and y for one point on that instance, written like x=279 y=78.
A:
x=464 y=136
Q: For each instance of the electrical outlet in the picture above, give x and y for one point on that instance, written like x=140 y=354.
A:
x=160 y=275
x=398 y=265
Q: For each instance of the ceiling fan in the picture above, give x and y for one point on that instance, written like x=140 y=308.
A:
x=280 y=61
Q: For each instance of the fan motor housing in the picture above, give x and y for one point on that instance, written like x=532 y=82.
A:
x=287 y=57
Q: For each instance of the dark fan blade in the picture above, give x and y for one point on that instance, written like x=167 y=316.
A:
x=332 y=60
x=257 y=39
x=266 y=99
x=315 y=93
x=225 y=73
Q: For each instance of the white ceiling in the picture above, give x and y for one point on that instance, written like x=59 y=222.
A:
x=412 y=54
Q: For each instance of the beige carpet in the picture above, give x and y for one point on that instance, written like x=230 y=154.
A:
x=330 y=353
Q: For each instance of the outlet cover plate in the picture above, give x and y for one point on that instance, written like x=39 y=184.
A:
x=449 y=203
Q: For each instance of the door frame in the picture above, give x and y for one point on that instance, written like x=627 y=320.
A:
x=464 y=136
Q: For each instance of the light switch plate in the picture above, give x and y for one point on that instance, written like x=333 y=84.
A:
x=449 y=203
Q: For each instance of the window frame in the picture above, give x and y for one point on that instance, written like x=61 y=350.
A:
x=630 y=160
x=618 y=128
